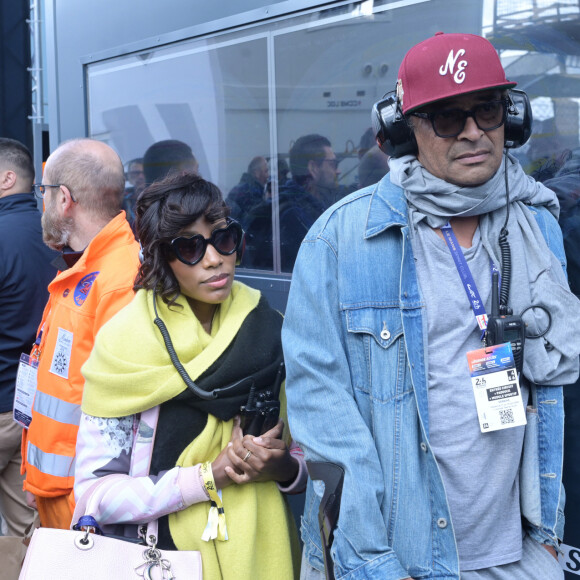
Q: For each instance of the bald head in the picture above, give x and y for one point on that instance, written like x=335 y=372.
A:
x=92 y=171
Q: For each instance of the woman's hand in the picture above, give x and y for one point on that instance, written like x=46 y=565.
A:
x=264 y=458
x=218 y=468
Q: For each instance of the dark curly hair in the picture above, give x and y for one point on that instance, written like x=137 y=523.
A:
x=163 y=210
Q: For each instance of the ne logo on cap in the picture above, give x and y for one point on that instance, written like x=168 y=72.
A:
x=449 y=67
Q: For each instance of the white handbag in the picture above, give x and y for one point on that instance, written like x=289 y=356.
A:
x=71 y=554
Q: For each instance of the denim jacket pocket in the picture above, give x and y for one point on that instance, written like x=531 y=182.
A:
x=376 y=350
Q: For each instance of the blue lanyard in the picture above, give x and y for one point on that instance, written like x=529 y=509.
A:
x=466 y=277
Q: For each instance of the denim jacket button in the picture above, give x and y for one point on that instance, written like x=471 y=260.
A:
x=385 y=334
x=442 y=523
x=423 y=447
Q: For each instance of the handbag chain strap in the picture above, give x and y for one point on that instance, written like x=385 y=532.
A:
x=143 y=448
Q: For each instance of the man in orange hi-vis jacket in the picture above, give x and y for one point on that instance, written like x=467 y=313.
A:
x=83 y=187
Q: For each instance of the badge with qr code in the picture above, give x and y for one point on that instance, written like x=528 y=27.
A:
x=496 y=388
x=62 y=351
x=25 y=390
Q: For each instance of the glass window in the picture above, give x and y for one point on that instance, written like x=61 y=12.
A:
x=241 y=101
x=201 y=106
x=278 y=114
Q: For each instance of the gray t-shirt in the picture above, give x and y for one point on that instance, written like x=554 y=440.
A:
x=479 y=470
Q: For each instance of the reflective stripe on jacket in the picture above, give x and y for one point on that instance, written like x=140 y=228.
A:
x=81 y=300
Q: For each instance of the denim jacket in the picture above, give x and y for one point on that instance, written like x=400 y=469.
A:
x=355 y=347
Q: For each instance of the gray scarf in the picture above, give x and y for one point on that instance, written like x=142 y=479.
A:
x=537 y=275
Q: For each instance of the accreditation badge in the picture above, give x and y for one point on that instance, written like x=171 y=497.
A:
x=25 y=390
x=62 y=353
x=496 y=388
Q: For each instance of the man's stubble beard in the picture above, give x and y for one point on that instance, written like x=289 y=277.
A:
x=56 y=230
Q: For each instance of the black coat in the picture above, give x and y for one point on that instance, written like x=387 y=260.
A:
x=25 y=272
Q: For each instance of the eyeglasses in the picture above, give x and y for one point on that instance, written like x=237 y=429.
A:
x=332 y=162
x=40 y=190
x=451 y=122
x=191 y=250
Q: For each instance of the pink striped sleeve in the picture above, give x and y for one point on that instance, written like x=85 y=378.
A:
x=104 y=447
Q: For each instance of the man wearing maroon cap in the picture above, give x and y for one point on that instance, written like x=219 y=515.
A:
x=404 y=372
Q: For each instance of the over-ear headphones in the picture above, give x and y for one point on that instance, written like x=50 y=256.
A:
x=392 y=133
x=395 y=138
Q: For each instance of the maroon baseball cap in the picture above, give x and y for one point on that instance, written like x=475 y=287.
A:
x=446 y=65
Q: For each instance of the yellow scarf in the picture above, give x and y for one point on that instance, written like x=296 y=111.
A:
x=262 y=544
x=130 y=360
x=129 y=371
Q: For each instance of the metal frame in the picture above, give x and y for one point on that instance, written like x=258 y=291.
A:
x=36 y=78
x=223 y=25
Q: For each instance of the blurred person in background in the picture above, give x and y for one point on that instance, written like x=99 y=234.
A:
x=167 y=156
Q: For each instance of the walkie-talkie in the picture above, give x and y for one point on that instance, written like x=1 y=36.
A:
x=506 y=327
x=262 y=410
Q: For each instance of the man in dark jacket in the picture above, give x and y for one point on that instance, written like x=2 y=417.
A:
x=249 y=192
x=312 y=189
x=302 y=199
x=25 y=272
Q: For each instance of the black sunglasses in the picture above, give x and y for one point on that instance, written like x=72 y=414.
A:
x=190 y=250
x=451 y=122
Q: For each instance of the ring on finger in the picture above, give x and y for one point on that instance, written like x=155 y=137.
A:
x=247 y=456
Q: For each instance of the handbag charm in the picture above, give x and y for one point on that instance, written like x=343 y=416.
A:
x=155 y=567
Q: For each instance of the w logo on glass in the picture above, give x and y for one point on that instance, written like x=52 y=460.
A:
x=453 y=67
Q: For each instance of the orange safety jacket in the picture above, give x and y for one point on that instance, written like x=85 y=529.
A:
x=81 y=300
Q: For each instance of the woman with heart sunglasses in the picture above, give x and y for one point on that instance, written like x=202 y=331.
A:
x=194 y=343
